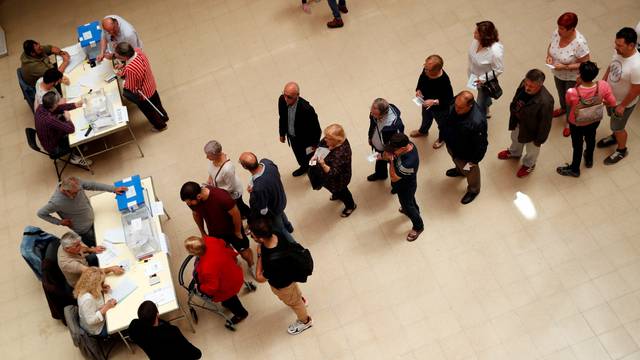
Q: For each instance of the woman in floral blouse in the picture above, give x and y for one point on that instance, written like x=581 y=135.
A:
x=337 y=167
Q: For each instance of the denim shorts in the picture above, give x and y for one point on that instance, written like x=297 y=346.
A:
x=619 y=122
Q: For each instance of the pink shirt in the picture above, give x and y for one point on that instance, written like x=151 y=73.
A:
x=604 y=90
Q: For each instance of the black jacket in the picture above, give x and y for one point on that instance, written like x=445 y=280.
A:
x=161 y=342
x=533 y=118
x=466 y=136
x=306 y=125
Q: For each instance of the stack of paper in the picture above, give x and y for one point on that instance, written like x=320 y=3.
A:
x=115 y=235
x=76 y=55
x=152 y=268
x=125 y=287
x=161 y=295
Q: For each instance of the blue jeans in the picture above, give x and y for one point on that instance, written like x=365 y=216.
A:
x=333 y=4
x=282 y=225
x=407 y=198
x=427 y=119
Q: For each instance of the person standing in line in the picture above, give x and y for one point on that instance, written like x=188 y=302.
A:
x=599 y=94
x=567 y=50
x=403 y=159
x=623 y=74
x=529 y=122
x=222 y=174
x=298 y=125
x=273 y=267
x=486 y=59
x=464 y=132
x=384 y=121
x=434 y=88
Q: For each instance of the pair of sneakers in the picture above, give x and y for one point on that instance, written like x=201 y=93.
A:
x=299 y=326
x=617 y=155
x=524 y=170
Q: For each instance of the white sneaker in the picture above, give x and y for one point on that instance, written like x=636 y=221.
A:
x=298 y=327
x=77 y=160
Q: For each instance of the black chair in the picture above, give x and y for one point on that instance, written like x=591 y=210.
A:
x=33 y=144
x=28 y=91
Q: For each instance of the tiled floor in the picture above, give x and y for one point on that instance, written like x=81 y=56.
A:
x=482 y=282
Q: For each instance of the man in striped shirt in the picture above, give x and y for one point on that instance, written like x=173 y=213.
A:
x=140 y=85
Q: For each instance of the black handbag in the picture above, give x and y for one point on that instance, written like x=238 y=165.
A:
x=492 y=86
x=316 y=177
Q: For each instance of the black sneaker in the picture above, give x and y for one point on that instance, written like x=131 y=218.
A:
x=299 y=171
x=615 y=157
x=453 y=172
x=375 y=177
x=606 y=142
x=567 y=171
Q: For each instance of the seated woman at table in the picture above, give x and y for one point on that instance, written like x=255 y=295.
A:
x=92 y=308
x=217 y=273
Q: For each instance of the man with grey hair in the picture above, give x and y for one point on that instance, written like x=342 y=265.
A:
x=115 y=30
x=71 y=204
x=222 y=174
x=74 y=257
x=140 y=85
x=529 y=122
x=298 y=123
x=384 y=121
x=53 y=126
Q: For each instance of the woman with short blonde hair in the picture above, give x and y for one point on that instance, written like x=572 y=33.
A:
x=92 y=308
x=195 y=246
x=336 y=166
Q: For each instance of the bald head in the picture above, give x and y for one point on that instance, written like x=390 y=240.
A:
x=110 y=25
x=464 y=102
x=249 y=161
x=291 y=92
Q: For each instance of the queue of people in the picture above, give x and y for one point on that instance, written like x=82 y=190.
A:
x=218 y=207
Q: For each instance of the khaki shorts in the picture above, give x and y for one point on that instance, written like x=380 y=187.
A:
x=618 y=123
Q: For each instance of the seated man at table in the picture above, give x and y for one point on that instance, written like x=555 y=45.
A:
x=35 y=60
x=72 y=205
x=48 y=82
x=158 y=338
x=116 y=30
x=53 y=126
x=140 y=85
x=74 y=257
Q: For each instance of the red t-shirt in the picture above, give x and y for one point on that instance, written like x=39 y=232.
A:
x=215 y=212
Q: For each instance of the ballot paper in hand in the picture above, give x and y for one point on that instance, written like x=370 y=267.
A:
x=418 y=101
x=76 y=57
x=471 y=84
x=373 y=157
x=551 y=66
x=124 y=288
x=161 y=296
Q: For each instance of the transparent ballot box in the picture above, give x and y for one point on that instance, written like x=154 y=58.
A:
x=139 y=232
x=97 y=109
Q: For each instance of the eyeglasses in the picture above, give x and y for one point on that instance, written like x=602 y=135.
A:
x=289 y=96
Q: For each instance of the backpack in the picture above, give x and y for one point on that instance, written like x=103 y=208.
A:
x=589 y=110
x=298 y=258
x=34 y=247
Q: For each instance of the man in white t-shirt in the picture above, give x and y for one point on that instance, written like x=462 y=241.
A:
x=48 y=82
x=222 y=174
x=623 y=74
x=116 y=30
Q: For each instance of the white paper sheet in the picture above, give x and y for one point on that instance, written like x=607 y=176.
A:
x=94 y=77
x=157 y=208
x=125 y=264
x=373 y=156
x=163 y=243
x=125 y=287
x=74 y=91
x=471 y=84
x=152 y=267
x=106 y=257
x=103 y=122
x=114 y=236
x=80 y=123
x=136 y=224
x=161 y=296
x=131 y=192
x=120 y=114
x=76 y=57
x=418 y=101
x=551 y=66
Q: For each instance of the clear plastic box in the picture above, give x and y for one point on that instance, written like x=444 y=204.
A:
x=139 y=232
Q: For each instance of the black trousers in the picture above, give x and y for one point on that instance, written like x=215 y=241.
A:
x=345 y=196
x=158 y=121
x=407 y=198
x=382 y=171
x=579 y=135
x=234 y=305
x=300 y=151
x=245 y=210
x=428 y=116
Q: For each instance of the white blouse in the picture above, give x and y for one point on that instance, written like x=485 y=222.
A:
x=484 y=61
x=569 y=54
x=91 y=319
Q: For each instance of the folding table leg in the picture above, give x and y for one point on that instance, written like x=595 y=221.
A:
x=126 y=343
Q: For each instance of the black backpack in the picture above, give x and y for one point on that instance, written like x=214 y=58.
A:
x=298 y=258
